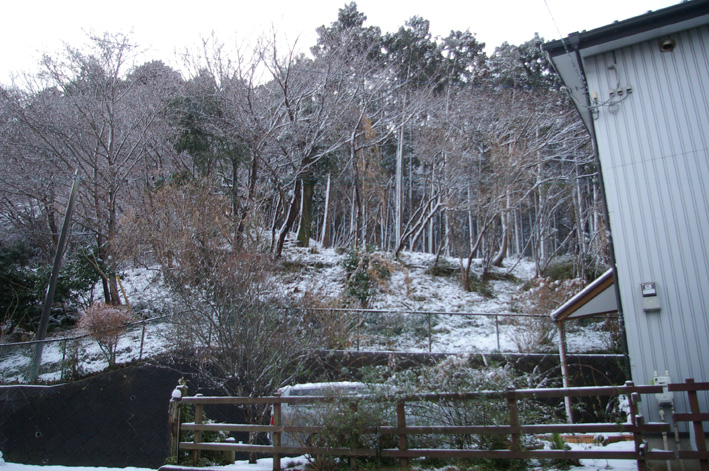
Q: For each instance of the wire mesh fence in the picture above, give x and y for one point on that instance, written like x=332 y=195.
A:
x=70 y=357
x=362 y=330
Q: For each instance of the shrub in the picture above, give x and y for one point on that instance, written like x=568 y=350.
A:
x=500 y=276
x=532 y=334
x=442 y=270
x=334 y=327
x=560 y=270
x=557 y=442
x=456 y=374
x=613 y=342
x=24 y=280
x=345 y=423
x=18 y=302
x=543 y=295
x=540 y=296
x=366 y=273
x=105 y=323
x=477 y=285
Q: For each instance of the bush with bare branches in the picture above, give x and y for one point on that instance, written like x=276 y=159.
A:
x=334 y=325
x=535 y=334
x=105 y=323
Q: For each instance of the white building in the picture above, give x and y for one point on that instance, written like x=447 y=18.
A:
x=642 y=88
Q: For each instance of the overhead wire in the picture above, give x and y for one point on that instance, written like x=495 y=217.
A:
x=594 y=107
x=563 y=43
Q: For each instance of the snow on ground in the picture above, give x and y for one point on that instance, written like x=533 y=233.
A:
x=411 y=288
x=321 y=273
x=266 y=464
x=80 y=356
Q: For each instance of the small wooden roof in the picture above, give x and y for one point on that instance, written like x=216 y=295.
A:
x=595 y=299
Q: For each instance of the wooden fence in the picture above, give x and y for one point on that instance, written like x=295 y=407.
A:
x=514 y=430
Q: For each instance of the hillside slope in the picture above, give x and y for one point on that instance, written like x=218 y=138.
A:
x=402 y=307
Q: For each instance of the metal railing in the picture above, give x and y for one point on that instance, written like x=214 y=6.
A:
x=61 y=357
x=363 y=314
x=365 y=328
x=366 y=321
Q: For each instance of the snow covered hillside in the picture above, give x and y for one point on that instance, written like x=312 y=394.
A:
x=412 y=287
x=418 y=301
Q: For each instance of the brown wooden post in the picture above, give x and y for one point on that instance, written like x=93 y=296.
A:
x=175 y=419
x=637 y=420
x=230 y=454
x=564 y=369
x=699 y=439
x=353 y=445
x=401 y=425
x=173 y=423
x=198 y=410
x=514 y=420
x=276 y=433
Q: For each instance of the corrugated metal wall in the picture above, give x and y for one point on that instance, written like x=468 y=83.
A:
x=654 y=151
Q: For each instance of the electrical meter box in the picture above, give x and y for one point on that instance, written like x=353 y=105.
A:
x=665 y=398
x=651 y=301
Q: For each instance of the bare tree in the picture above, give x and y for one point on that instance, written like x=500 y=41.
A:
x=86 y=114
x=233 y=326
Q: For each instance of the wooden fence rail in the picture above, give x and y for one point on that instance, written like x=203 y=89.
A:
x=636 y=426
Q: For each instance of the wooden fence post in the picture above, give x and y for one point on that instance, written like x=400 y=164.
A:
x=230 y=455
x=699 y=439
x=354 y=407
x=173 y=423
x=198 y=409
x=401 y=424
x=514 y=419
x=276 y=433
x=637 y=420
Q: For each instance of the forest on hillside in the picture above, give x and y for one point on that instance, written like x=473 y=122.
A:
x=372 y=141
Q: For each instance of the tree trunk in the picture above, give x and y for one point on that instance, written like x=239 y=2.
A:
x=246 y=208
x=399 y=188
x=52 y=224
x=325 y=234
x=500 y=256
x=353 y=217
x=306 y=211
x=502 y=253
x=293 y=207
x=518 y=235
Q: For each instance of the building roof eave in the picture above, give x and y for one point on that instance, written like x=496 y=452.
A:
x=668 y=20
x=586 y=303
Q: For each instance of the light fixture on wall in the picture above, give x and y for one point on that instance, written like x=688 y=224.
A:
x=667 y=45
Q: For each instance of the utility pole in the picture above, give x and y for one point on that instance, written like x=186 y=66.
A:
x=51 y=289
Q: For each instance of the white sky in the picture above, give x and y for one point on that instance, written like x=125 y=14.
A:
x=162 y=27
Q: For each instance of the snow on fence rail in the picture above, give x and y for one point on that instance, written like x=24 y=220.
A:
x=515 y=429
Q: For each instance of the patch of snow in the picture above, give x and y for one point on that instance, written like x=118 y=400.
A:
x=297 y=463
x=321 y=273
